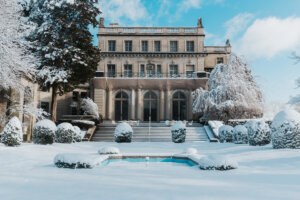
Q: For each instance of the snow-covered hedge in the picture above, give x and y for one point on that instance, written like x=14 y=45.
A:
x=44 y=132
x=258 y=133
x=217 y=163
x=123 y=133
x=77 y=137
x=109 y=150
x=73 y=161
x=240 y=135
x=64 y=133
x=12 y=134
x=191 y=151
x=89 y=107
x=178 y=131
x=285 y=130
x=215 y=125
x=225 y=133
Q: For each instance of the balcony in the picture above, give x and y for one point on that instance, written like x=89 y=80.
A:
x=145 y=75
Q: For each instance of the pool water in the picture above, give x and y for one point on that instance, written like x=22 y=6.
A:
x=150 y=160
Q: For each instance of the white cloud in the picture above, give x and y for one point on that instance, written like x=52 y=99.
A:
x=116 y=10
x=270 y=36
x=237 y=24
x=185 y=5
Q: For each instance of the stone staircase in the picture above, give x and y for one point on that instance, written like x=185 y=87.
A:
x=159 y=133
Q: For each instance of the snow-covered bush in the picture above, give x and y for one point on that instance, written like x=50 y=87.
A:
x=64 y=133
x=225 y=133
x=73 y=161
x=191 y=151
x=109 y=150
x=123 y=132
x=232 y=93
x=77 y=137
x=44 y=132
x=217 y=163
x=285 y=130
x=178 y=130
x=240 y=135
x=89 y=107
x=258 y=133
x=215 y=125
x=12 y=134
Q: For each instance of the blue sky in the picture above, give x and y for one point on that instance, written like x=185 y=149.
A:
x=265 y=32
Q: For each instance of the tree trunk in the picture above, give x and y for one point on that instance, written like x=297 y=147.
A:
x=54 y=104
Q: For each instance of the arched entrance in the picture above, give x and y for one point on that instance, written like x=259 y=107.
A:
x=121 y=106
x=150 y=106
x=179 y=106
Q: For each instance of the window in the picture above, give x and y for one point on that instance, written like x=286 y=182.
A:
x=111 y=70
x=189 y=71
x=142 y=71
x=45 y=106
x=83 y=95
x=144 y=46
x=111 y=45
x=75 y=96
x=74 y=110
x=190 y=46
x=173 y=71
x=220 y=60
x=157 y=46
x=127 y=70
x=173 y=46
x=128 y=45
x=159 y=71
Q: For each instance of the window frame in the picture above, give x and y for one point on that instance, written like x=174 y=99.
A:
x=155 y=46
x=173 y=48
x=114 y=45
x=128 y=45
x=189 y=47
x=145 y=46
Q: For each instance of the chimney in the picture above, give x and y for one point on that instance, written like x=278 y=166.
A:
x=101 y=22
x=200 y=25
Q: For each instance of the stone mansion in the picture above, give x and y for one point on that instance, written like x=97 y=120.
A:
x=149 y=73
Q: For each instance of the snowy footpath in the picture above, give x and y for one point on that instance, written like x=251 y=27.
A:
x=28 y=173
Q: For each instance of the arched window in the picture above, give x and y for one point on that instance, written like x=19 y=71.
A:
x=121 y=106
x=150 y=106
x=179 y=106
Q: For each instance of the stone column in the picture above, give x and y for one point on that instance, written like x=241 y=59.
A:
x=109 y=104
x=132 y=106
x=168 y=105
x=162 y=106
x=139 y=105
x=190 y=106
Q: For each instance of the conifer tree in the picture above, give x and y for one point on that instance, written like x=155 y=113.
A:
x=63 y=44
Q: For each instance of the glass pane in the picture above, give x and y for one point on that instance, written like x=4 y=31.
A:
x=124 y=110
x=175 y=110
x=146 y=110
x=182 y=110
x=153 y=110
x=118 y=110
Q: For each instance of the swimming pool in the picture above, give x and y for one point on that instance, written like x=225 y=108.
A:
x=183 y=161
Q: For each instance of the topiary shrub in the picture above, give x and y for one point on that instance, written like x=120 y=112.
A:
x=123 y=133
x=44 y=132
x=221 y=163
x=12 y=134
x=285 y=130
x=178 y=131
x=258 y=133
x=77 y=137
x=225 y=133
x=109 y=150
x=240 y=135
x=64 y=133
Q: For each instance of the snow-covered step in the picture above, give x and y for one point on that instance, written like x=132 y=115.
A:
x=157 y=134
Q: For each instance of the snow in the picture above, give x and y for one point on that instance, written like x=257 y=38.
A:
x=64 y=133
x=12 y=134
x=178 y=131
x=109 y=150
x=190 y=151
x=177 y=126
x=76 y=160
x=89 y=107
x=215 y=125
x=285 y=116
x=46 y=123
x=213 y=162
x=28 y=173
x=90 y=123
x=122 y=128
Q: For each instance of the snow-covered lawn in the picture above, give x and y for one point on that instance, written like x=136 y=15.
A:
x=28 y=172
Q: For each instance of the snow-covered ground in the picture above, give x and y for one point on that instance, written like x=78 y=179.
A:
x=28 y=172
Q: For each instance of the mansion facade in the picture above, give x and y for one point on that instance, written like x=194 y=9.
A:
x=149 y=73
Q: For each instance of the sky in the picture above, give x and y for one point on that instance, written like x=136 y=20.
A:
x=264 y=32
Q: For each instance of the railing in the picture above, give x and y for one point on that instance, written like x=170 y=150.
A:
x=166 y=30
x=214 y=49
x=156 y=75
